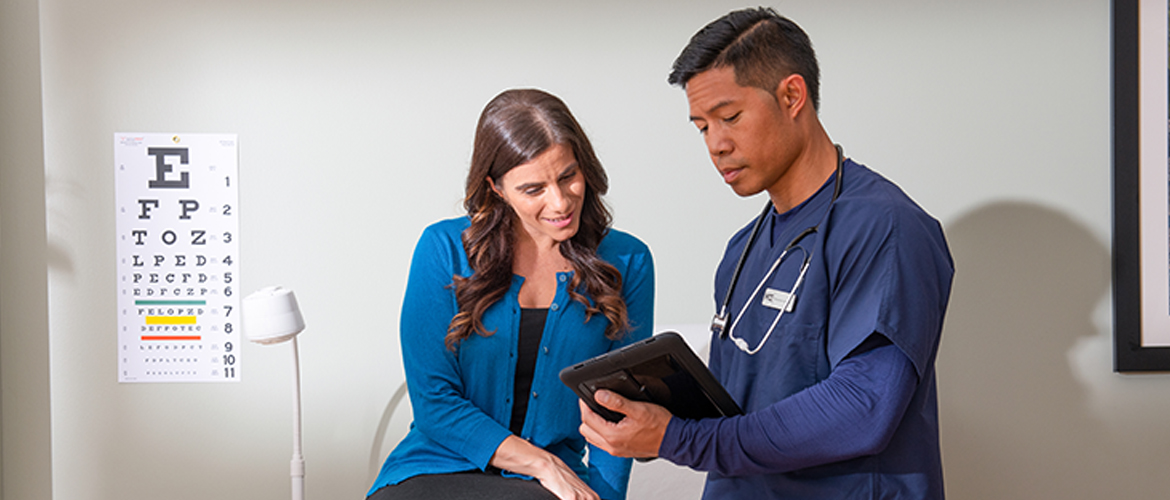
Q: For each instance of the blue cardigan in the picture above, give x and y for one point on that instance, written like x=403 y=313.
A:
x=462 y=401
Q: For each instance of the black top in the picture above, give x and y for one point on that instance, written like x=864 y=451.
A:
x=531 y=329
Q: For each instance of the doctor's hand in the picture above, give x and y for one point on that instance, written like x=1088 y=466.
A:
x=637 y=436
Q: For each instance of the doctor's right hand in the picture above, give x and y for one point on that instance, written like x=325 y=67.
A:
x=638 y=435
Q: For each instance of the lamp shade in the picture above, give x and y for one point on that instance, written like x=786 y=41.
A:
x=271 y=315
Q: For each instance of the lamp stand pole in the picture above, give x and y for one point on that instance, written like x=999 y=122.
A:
x=297 y=466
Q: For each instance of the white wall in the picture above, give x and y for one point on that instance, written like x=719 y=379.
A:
x=355 y=122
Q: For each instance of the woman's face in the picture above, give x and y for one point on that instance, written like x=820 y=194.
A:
x=547 y=194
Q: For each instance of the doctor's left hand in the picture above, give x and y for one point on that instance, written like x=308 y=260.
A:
x=637 y=436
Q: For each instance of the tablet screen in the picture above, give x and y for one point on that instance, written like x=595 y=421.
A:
x=660 y=370
x=660 y=380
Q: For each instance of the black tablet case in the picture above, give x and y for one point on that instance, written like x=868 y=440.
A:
x=662 y=370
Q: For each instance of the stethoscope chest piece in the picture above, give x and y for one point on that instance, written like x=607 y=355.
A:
x=718 y=323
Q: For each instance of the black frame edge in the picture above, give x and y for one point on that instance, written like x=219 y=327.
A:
x=1128 y=353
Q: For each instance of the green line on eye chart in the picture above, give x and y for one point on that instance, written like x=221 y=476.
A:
x=170 y=302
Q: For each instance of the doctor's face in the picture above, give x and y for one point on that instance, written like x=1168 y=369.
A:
x=750 y=136
x=546 y=194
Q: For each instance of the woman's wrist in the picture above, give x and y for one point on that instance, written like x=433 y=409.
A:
x=521 y=457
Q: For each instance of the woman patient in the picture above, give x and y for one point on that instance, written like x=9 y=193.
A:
x=531 y=280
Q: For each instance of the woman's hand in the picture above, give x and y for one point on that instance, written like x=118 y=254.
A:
x=520 y=456
x=564 y=483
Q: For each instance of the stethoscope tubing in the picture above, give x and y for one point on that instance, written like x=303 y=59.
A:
x=741 y=343
x=719 y=322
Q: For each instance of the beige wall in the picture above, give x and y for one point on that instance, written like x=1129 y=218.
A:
x=24 y=330
x=355 y=123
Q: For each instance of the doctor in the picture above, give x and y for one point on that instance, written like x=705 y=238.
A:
x=830 y=304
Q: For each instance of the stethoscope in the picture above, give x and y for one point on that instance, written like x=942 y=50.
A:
x=719 y=321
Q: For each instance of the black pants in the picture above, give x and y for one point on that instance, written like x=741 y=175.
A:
x=472 y=485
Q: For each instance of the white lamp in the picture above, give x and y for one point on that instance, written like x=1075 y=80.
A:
x=271 y=316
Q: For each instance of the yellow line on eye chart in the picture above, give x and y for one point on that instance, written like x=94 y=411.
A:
x=170 y=320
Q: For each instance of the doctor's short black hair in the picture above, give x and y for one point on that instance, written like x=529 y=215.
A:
x=762 y=47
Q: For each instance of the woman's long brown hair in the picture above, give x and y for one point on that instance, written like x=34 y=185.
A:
x=516 y=127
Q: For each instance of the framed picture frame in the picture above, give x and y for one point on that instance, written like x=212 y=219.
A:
x=1141 y=186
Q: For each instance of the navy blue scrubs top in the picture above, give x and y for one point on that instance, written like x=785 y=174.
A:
x=841 y=399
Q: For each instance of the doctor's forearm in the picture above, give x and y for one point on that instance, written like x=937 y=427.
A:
x=852 y=413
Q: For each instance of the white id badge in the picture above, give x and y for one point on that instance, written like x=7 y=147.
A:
x=776 y=299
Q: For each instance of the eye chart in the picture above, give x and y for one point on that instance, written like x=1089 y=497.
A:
x=177 y=211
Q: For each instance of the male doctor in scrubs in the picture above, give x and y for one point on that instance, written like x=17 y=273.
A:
x=828 y=348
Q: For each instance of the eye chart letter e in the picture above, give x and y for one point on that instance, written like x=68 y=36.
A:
x=177 y=211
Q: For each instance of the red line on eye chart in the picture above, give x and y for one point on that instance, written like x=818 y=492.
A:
x=146 y=338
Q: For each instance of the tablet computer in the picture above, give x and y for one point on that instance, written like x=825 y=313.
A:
x=662 y=370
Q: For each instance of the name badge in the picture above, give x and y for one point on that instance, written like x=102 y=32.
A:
x=776 y=299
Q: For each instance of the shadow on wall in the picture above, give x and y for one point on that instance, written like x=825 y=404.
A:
x=1016 y=422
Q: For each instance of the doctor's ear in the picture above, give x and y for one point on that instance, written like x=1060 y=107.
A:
x=792 y=93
